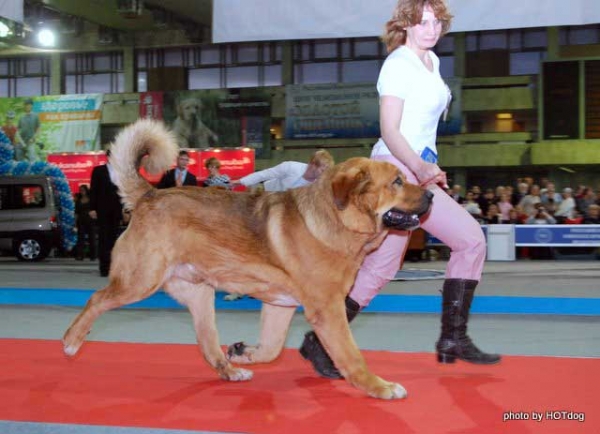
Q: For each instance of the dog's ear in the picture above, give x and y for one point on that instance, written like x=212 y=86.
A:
x=346 y=184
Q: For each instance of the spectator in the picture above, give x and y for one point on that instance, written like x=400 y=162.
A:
x=290 y=174
x=85 y=225
x=215 y=178
x=106 y=209
x=455 y=192
x=540 y=216
x=498 y=191
x=588 y=197
x=504 y=206
x=509 y=190
x=566 y=208
x=486 y=200
x=493 y=215
x=472 y=207
x=530 y=200
x=179 y=175
x=520 y=193
x=550 y=195
x=593 y=215
x=513 y=217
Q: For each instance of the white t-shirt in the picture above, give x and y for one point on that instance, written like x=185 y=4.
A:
x=424 y=93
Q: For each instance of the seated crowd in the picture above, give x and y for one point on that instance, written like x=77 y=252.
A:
x=530 y=203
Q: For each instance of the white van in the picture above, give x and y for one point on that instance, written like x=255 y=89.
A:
x=28 y=217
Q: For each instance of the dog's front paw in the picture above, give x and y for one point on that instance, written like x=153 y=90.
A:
x=237 y=374
x=390 y=391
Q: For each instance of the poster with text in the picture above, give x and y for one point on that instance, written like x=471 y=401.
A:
x=55 y=123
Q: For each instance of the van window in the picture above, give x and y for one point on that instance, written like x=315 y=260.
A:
x=22 y=196
x=29 y=196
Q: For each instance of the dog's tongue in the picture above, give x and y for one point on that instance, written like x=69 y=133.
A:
x=397 y=219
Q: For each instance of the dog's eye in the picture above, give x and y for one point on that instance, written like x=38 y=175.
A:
x=398 y=181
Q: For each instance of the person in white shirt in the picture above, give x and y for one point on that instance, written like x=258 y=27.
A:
x=412 y=97
x=290 y=174
x=566 y=209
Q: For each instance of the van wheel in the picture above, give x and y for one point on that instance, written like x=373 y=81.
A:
x=31 y=248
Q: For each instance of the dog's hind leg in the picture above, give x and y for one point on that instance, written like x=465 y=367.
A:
x=330 y=324
x=200 y=300
x=274 y=325
x=115 y=295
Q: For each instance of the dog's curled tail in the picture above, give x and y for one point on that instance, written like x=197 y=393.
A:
x=145 y=143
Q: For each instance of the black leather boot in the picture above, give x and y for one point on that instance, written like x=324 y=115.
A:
x=313 y=351
x=454 y=343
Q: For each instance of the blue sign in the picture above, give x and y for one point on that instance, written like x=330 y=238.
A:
x=557 y=235
x=331 y=111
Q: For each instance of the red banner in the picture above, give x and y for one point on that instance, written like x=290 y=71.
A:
x=235 y=162
x=151 y=105
x=77 y=167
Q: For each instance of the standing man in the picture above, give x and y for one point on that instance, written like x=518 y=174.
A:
x=29 y=127
x=106 y=210
x=179 y=175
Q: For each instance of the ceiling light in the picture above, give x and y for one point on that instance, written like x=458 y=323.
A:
x=566 y=169
x=4 y=30
x=46 y=38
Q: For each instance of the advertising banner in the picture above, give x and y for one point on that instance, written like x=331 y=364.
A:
x=323 y=111
x=340 y=110
x=557 y=235
x=54 y=123
x=77 y=167
x=151 y=105
x=220 y=118
x=235 y=162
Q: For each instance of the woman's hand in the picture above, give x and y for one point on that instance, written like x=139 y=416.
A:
x=430 y=174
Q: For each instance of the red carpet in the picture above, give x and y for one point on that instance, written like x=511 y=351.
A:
x=170 y=386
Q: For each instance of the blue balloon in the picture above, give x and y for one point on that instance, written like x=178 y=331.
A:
x=60 y=185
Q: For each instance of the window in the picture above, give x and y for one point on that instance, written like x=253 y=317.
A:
x=526 y=63
x=94 y=72
x=22 y=196
x=360 y=71
x=579 y=35
x=25 y=76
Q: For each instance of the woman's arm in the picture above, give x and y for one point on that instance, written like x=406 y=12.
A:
x=390 y=115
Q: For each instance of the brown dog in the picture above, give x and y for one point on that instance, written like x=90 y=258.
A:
x=299 y=247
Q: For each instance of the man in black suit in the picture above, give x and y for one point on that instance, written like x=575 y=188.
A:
x=106 y=209
x=179 y=175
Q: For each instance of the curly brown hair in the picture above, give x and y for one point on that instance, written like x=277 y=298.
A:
x=409 y=13
x=212 y=162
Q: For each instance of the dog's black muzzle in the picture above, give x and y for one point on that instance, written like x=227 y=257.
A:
x=407 y=221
